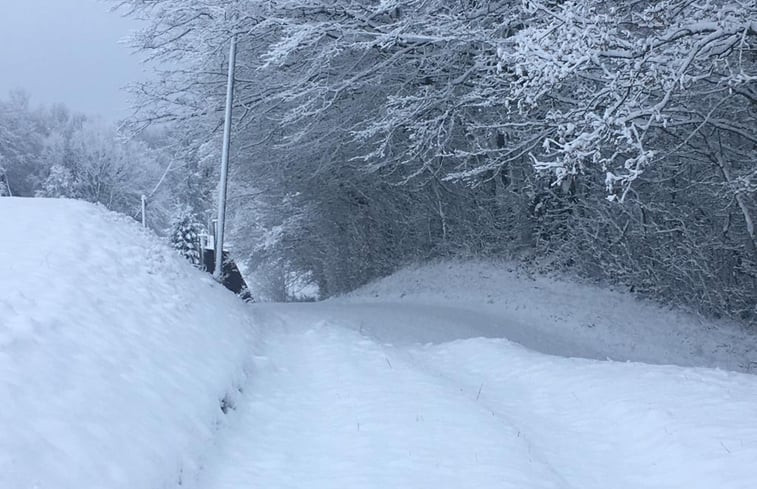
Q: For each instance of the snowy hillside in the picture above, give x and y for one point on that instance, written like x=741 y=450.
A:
x=556 y=316
x=114 y=352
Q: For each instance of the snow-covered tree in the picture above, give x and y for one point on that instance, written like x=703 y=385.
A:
x=184 y=234
x=5 y=189
x=21 y=138
x=618 y=76
x=368 y=134
x=59 y=183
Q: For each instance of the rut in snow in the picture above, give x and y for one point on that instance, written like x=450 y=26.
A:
x=330 y=407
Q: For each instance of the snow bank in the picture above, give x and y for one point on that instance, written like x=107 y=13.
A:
x=114 y=352
x=558 y=316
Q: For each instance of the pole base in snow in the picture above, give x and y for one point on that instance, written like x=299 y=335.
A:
x=231 y=277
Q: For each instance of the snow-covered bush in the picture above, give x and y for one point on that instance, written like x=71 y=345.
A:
x=59 y=183
x=185 y=235
x=4 y=186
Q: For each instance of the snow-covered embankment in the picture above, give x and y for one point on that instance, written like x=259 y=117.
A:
x=114 y=352
x=556 y=315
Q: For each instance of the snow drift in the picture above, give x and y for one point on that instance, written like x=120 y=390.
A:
x=550 y=314
x=114 y=352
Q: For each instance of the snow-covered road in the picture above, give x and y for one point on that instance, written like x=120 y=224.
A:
x=118 y=362
x=330 y=406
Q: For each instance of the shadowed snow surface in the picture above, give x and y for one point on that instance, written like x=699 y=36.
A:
x=556 y=316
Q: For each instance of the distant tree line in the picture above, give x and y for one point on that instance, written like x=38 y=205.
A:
x=57 y=153
x=612 y=139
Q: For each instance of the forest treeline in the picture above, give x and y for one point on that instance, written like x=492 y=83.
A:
x=616 y=140
x=53 y=151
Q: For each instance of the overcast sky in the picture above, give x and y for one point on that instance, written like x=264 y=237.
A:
x=67 y=51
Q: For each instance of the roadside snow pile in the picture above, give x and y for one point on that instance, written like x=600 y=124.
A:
x=114 y=353
x=558 y=316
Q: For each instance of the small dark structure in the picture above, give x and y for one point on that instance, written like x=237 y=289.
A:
x=232 y=278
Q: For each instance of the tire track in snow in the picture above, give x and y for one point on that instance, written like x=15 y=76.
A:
x=606 y=424
x=331 y=408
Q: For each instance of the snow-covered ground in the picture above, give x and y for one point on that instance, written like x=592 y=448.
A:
x=114 y=352
x=329 y=406
x=115 y=355
x=554 y=315
x=417 y=381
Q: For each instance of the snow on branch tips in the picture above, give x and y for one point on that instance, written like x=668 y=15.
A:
x=617 y=78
